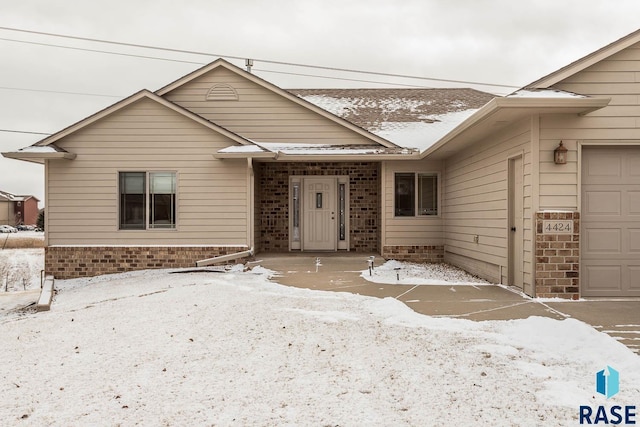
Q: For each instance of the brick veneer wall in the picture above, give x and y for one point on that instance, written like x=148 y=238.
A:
x=272 y=232
x=432 y=254
x=558 y=258
x=72 y=262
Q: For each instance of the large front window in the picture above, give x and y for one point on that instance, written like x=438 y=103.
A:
x=147 y=200
x=416 y=194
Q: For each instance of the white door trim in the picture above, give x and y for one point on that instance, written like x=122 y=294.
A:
x=298 y=217
x=515 y=210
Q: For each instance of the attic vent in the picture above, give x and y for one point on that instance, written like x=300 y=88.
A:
x=222 y=92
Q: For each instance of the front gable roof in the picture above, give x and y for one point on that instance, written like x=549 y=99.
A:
x=585 y=62
x=221 y=63
x=143 y=94
x=46 y=148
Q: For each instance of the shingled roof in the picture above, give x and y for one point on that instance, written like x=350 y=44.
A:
x=412 y=118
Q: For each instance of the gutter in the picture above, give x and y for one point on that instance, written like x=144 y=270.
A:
x=224 y=258
x=279 y=155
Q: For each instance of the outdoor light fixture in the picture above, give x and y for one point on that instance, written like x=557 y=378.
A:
x=560 y=154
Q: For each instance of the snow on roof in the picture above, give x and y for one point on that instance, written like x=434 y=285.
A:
x=7 y=196
x=410 y=118
x=422 y=135
x=41 y=149
x=293 y=148
x=14 y=197
x=313 y=149
x=242 y=149
x=544 y=93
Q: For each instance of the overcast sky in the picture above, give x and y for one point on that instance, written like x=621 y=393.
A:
x=503 y=42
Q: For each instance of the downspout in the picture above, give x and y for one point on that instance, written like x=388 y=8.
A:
x=250 y=225
x=251 y=203
x=224 y=258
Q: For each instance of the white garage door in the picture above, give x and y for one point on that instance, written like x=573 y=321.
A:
x=610 y=231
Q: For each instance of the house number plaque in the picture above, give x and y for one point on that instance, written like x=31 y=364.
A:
x=557 y=227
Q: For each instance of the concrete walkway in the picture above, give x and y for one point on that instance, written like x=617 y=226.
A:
x=340 y=272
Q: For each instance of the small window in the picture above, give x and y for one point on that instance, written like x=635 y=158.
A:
x=133 y=205
x=162 y=195
x=408 y=201
x=405 y=194
x=427 y=194
x=147 y=200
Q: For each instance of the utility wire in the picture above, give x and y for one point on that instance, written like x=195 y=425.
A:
x=24 y=131
x=102 y=51
x=341 y=78
x=198 y=63
x=261 y=60
x=58 y=91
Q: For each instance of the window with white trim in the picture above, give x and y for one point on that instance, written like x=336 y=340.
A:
x=415 y=194
x=147 y=200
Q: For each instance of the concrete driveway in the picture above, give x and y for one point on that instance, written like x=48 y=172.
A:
x=340 y=272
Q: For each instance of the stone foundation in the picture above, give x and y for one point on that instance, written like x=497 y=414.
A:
x=428 y=254
x=557 y=257
x=71 y=262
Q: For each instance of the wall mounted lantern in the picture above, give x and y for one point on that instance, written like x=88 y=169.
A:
x=560 y=154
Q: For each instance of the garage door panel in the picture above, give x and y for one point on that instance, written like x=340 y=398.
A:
x=603 y=203
x=633 y=236
x=610 y=221
x=599 y=278
x=634 y=279
x=634 y=166
x=603 y=240
x=604 y=168
x=633 y=202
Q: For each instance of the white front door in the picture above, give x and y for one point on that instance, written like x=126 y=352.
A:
x=319 y=214
x=516 y=214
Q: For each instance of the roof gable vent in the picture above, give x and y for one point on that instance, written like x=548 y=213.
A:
x=222 y=92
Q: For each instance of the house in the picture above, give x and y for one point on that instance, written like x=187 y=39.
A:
x=538 y=189
x=17 y=210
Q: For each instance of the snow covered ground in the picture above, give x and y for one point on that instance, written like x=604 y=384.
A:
x=407 y=273
x=216 y=348
x=20 y=268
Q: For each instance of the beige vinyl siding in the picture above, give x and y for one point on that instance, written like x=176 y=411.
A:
x=618 y=78
x=410 y=231
x=6 y=212
x=259 y=113
x=475 y=202
x=146 y=136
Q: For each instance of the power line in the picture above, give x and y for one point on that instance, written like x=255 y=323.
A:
x=341 y=78
x=101 y=51
x=320 y=67
x=188 y=62
x=58 y=91
x=23 y=131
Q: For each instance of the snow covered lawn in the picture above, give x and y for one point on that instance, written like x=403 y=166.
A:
x=407 y=273
x=20 y=269
x=154 y=348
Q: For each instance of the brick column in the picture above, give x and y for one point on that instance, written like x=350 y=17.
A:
x=557 y=265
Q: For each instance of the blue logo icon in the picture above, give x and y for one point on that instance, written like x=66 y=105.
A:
x=608 y=382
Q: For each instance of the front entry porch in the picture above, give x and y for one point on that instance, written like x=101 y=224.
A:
x=317 y=206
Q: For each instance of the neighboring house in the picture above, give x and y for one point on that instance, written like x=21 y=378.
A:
x=222 y=162
x=18 y=209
